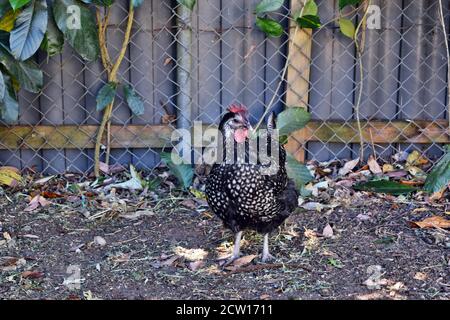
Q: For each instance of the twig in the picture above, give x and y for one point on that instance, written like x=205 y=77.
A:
x=359 y=51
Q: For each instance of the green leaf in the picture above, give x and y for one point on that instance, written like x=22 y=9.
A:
x=137 y=3
x=9 y=107
x=270 y=27
x=347 y=28
x=81 y=33
x=385 y=186
x=54 y=39
x=297 y=171
x=268 y=6
x=308 y=21
x=439 y=177
x=134 y=100
x=310 y=8
x=16 y=4
x=292 y=119
x=27 y=73
x=183 y=172
x=187 y=3
x=7 y=21
x=29 y=30
x=344 y=3
x=106 y=95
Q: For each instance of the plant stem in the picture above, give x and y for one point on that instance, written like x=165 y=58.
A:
x=359 y=51
x=112 y=77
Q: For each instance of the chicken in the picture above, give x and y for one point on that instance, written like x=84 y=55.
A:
x=248 y=194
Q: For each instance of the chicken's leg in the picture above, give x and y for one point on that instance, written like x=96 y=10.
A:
x=266 y=256
x=236 y=249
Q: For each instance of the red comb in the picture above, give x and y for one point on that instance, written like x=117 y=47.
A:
x=237 y=108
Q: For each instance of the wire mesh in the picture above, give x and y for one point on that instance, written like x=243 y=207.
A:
x=404 y=81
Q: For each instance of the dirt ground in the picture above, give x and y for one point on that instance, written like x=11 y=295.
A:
x=63 y=251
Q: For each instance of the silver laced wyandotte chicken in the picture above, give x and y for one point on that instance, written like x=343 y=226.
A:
x=240 y=192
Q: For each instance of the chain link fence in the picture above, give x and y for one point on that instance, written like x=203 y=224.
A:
x=403 y=106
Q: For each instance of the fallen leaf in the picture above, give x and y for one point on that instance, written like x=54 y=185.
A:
x=327 y=231
x=422 y=276
x=388 y=167
x=195 y=265
x=432 y=222
x=167 y=61
x=103 y=167
x=100 y=241
x=313 y=206
x=51 y=195
x=396 y=174
x=10 y=176
x=135 y=183
x=29 y=274
x=35 y=202
x=44 y=180
x=170 y=261
x=346 y=183
x=240 y=262
x=137 y=214
x=374 y=167
x=188 y=203
x=415 y=158
x=11 y=263
x=348 y=167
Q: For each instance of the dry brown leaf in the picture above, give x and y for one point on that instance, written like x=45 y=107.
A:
x=51 y=195
x=422 y=276
x=195 y=265
x=167 y=61
x=44 y=180
x=35 y=202
x=188 y=203
x=29 y=274
x=168 y=118
x=432 y=222
x=374 y=167
x=240 y=262
x=348 y=167
x=11 y=263
x=327 y=231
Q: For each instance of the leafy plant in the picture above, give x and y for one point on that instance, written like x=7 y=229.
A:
x=385 y=186
x=187 y=3
x=29 y=25
x=183 y=172
x=439 y=177
x=269 y=26
x=288 y=121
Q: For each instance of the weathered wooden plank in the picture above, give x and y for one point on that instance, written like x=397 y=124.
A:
x=297 y=90
x=81 y=137
x=158 y=136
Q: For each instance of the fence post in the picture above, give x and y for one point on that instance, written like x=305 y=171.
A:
x=297 y=88
x=184 y=67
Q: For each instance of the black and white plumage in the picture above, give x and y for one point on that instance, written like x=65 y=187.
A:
x=240 y=193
